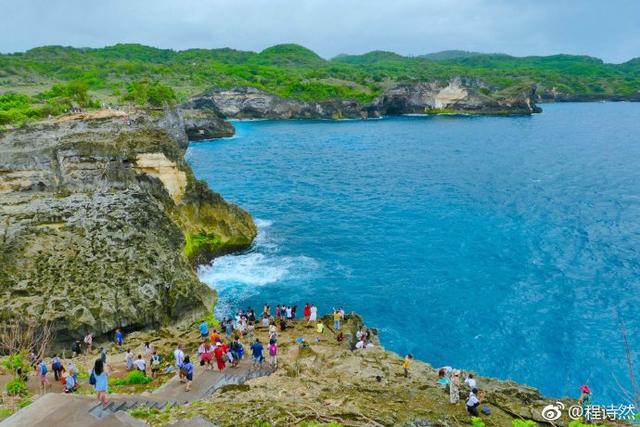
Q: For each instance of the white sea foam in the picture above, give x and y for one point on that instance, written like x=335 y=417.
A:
x=238 y=277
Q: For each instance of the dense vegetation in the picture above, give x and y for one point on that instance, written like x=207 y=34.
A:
x=49 y=80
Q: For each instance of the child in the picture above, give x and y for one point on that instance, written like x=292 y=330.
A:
x=273 y=354
x=155 y=364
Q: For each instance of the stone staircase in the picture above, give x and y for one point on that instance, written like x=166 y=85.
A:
x=172 y=393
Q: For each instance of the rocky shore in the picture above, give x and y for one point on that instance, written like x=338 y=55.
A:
x=457 y=96
x=102 y=221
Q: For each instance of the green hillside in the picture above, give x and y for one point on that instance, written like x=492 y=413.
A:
x=50 y=79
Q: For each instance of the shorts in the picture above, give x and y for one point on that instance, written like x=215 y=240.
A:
x=190 y=377
x=258 y=359
x=42 y=377
x=206 y=357
x=203 y=336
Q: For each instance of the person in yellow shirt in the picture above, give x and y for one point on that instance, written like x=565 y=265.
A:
x=406 y=364
x=336 y=319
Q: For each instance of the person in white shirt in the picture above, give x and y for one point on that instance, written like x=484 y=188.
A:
x=141 y=364
x=314 y=314
x=470 y=381
x=473 y=402
x=178 y=355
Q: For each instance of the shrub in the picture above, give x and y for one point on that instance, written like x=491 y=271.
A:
x=134 y=377
x=523 y=423
x=16 y=387
x=144 y=92
x=477 y=422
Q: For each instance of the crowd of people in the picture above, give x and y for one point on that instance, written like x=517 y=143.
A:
x=220 y=347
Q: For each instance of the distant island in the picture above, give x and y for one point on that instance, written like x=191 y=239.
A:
x=48 y=81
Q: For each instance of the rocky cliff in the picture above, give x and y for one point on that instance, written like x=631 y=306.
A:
x=101 y=222
x=455 y=96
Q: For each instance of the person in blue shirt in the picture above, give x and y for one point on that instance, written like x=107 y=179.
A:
x=100 y=381
x=42 y=374
x=256 y=352
x=204 y=329
x=187 y=371
x=119 y=338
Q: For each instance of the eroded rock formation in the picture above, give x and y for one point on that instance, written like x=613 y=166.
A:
x=101 y=223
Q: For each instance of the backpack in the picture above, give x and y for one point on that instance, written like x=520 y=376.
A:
x=155 y=360
x=92 y=378
x=43 y=369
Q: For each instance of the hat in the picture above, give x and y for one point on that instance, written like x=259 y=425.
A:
x=218 y=343
x=585 y=389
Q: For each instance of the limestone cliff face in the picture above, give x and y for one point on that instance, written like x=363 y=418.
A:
x=454 y=96
x=101 y=222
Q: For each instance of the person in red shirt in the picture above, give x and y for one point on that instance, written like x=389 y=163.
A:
x=219 y=353
x=307 y=311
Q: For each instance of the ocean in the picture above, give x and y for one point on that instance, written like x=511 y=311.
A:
x=509 y=246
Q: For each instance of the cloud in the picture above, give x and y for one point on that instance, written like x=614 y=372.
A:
x=604 y=29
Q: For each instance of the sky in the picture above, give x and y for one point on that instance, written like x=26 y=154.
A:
x=608 y=29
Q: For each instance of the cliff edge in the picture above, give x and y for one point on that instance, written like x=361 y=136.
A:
x=102 y=220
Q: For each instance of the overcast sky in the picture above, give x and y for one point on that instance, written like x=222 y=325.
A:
x=608 y=29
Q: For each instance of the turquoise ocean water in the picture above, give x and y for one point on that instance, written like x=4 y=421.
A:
x=505 y=245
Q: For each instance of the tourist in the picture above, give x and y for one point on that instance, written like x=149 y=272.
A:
x=288 y=312
x=283 y=324
x=147 y=349
x=129 y=359
x=141 y=364
x=256 y=351
x=585 y=401
x=265 y=321
x=293 y=312
x=320 y=327
x=76 y=349
x=205 y=351
x=273 y=334
x=336 y=319
x=155 y=364
x=42 y=375
x=187 y=372
x=215 y=337
x=306 y=311
x=406 y=364
x=454 y=387
x=219 y=352
x=473 y=402
x=236 y=350
x=103 y=355
x=56 y=367
x=178 y=355
x=204 y=329
x=359 y=333
x=277 y=311
x=88 y=340
x=470 y=381
x=70 y=383
x=443 y=376
x=360 y=344
x=273 y=354
x=228 y=328
x=100 y=381
x=119 y=339
x=313 y=315
x=73 y=371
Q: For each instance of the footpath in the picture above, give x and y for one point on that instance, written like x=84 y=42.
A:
x=58 y=409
